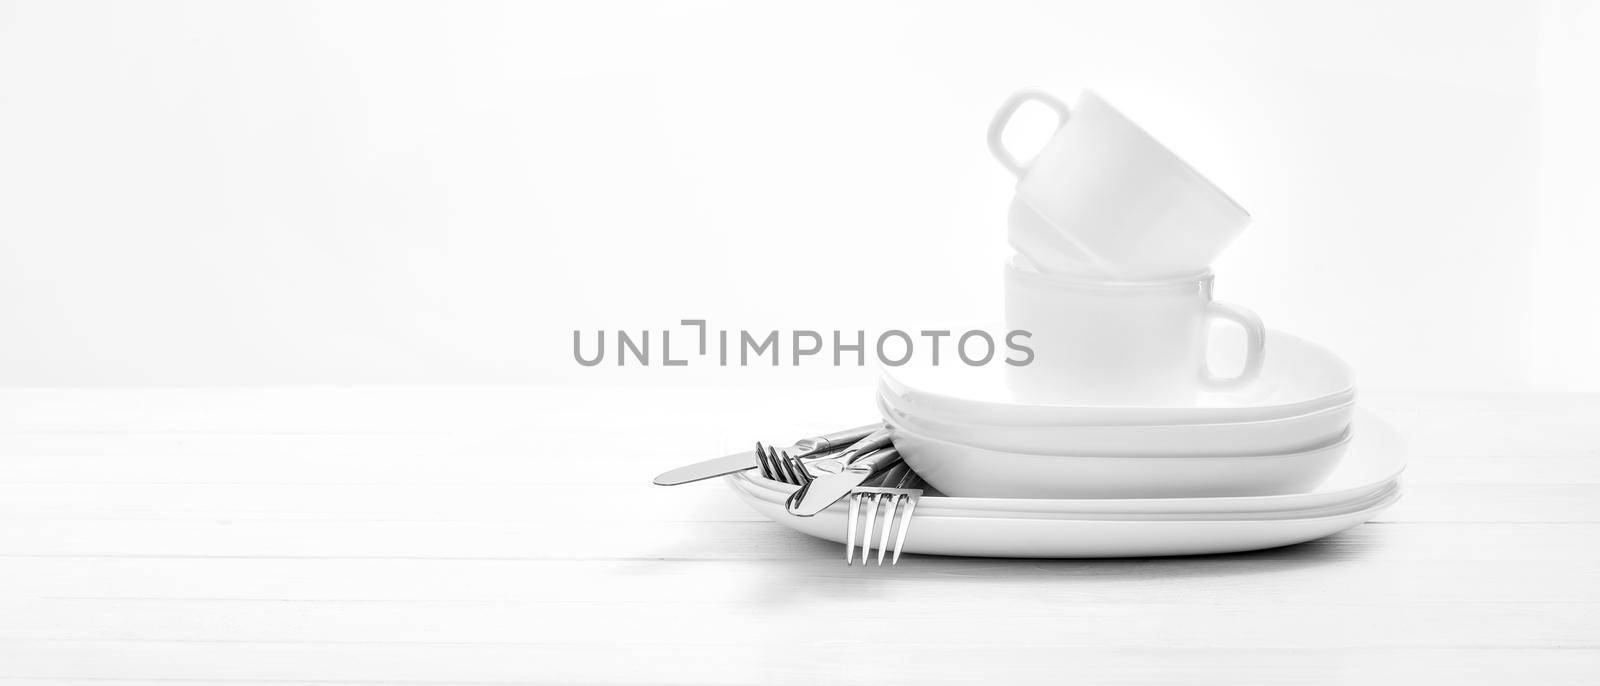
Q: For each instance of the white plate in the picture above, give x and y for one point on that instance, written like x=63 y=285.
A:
x=1374 y=461
x=1298 y=377
x=1267 y=437
x=964 y=470
x=1023 y=535
x=1363 y=501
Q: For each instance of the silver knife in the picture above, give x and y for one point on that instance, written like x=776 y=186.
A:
x=839 y=477
x=738 y=462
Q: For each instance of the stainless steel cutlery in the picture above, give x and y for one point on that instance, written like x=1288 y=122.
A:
x=861 y=464
x=897 y=491
x=835 y=477
x=779 y=465
x=898 y=504
x=737 y=462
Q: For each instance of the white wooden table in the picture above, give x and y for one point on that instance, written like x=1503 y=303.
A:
x=496 y=536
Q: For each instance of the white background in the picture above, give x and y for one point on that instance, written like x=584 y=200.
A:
x=401 y=193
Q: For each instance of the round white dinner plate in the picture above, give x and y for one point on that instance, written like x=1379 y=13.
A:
x=1373 y=461
x=1023 y=535
x=965 y=470
x=1298 y=377
x=1265 y=437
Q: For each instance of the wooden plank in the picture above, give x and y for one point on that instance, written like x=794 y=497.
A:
x=919 y=616
x=528 y=501
x=1337 y=572
x=693 y=412
x=449 y=459
x=786 y=658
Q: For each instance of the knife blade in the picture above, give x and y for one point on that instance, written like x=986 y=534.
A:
x=827 y=489
x=716 y=466
x=738 y=462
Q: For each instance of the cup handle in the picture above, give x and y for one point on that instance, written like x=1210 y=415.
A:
x=1002 y=118
x=1255 y=345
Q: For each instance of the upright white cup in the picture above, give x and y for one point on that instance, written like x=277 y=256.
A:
x=1104 y=199
x=1120 y=343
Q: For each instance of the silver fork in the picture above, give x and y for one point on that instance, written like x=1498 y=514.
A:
x=894 y=492
x=779 y=465
x=897 y=498
x=791 y=469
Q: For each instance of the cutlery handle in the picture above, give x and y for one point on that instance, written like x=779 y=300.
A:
x=838 y=440
x=891 y=477
x=873 y=441
x=876 y=462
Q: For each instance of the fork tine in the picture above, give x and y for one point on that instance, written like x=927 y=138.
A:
x=788 y=467
x=890 y=502
x=799 y=468
x=794 y=468
x=850 y=530
x=761 y=461
x=777 y=467
x=866 y=532
x=905 y=523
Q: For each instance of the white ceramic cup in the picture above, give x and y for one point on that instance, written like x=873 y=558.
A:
x=1104 y=199
x=1120 y=343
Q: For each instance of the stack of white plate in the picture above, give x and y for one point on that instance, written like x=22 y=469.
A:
x=1282 y=460
x=1285 y=432
x=1362 y=485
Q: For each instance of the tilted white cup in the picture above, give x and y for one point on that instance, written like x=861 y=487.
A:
x=1120 y=343
x=1104 y=199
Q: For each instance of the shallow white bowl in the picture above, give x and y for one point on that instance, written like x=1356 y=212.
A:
x=1298 y=377
x=964 y=470
x=1265 y=437
x=1372 y=462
